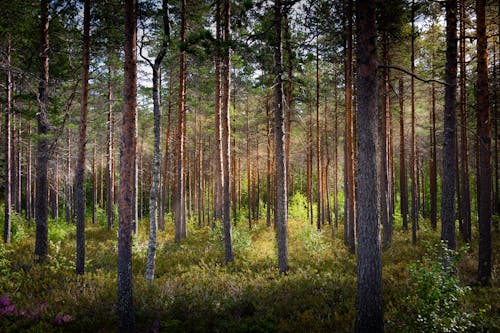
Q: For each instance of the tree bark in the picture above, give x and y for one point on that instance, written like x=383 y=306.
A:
x=94 y=181
x=448 y=179
x=219 y=177
x=226 y=135
x=128 y=150
x=249 y=192
x=180 y=209
x=349 y=166
x=433 y=153
x=484 y=129
x=281 y=216
x=110 y=182
x=318 y=148
x=413 y=158
x=41 y=210
x=385 y=221
x=29 y=201
x=268 y=173
x=8 y=109
x=68 y=187
x=335 y=162
x=466 y=213
x=403 y=187
x=369 y=312
x=82 y=142
x=155 y=184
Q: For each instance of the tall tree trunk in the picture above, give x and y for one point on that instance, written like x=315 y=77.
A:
x=369 y=312
x=413 y=159
x=466 y=213
x=53 y=190
x=310 y=208
x=448 y=179
x=42 y=154
x=180 y=210
x=101 y=182
x=249 y=192
x=68 y=187
x=484 y=129
x=335 y=161
x=19 y=191
x=326 y=169
x=457 y=181
x=219 y=177
x=155 y=183
x=433 y=157
x=268 y=173
x=390 y=163
x=82 y=142
x=128 y=150
x=403 y=185
x=495 y=117
x=382 y=132
x=289 y=97
x=318 y=149
x=349 y=166
x=8 y=109
x=166 y=201
x=281 y=216
x=110 y=173
x=29 y=202
x=94 y=181
x=137 y=180
x=496 y=120
x=226 y=135
x=13 y=155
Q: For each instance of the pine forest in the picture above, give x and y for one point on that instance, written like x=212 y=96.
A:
x=249 y=166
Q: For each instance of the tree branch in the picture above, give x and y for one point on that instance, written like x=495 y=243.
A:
x=414 y=75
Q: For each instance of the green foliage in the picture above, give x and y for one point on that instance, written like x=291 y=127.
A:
x=312 y=238
x=241 y=239
x=437 y=293
x=297 y=207
x=59 y=230
x=194 y=291
x=18 y=228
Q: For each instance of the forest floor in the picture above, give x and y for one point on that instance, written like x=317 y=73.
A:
x=195 y=292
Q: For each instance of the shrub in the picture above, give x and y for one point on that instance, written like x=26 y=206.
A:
x=435 y=303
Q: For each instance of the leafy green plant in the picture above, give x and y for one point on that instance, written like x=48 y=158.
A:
x=297 y=207
x=59 y=230
x=312 y=238
x=437 y=294
x=241 y=239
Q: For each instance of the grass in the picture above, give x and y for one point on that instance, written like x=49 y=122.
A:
x=195 y=292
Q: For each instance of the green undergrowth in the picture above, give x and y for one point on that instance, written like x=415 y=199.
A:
x=194 y=291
